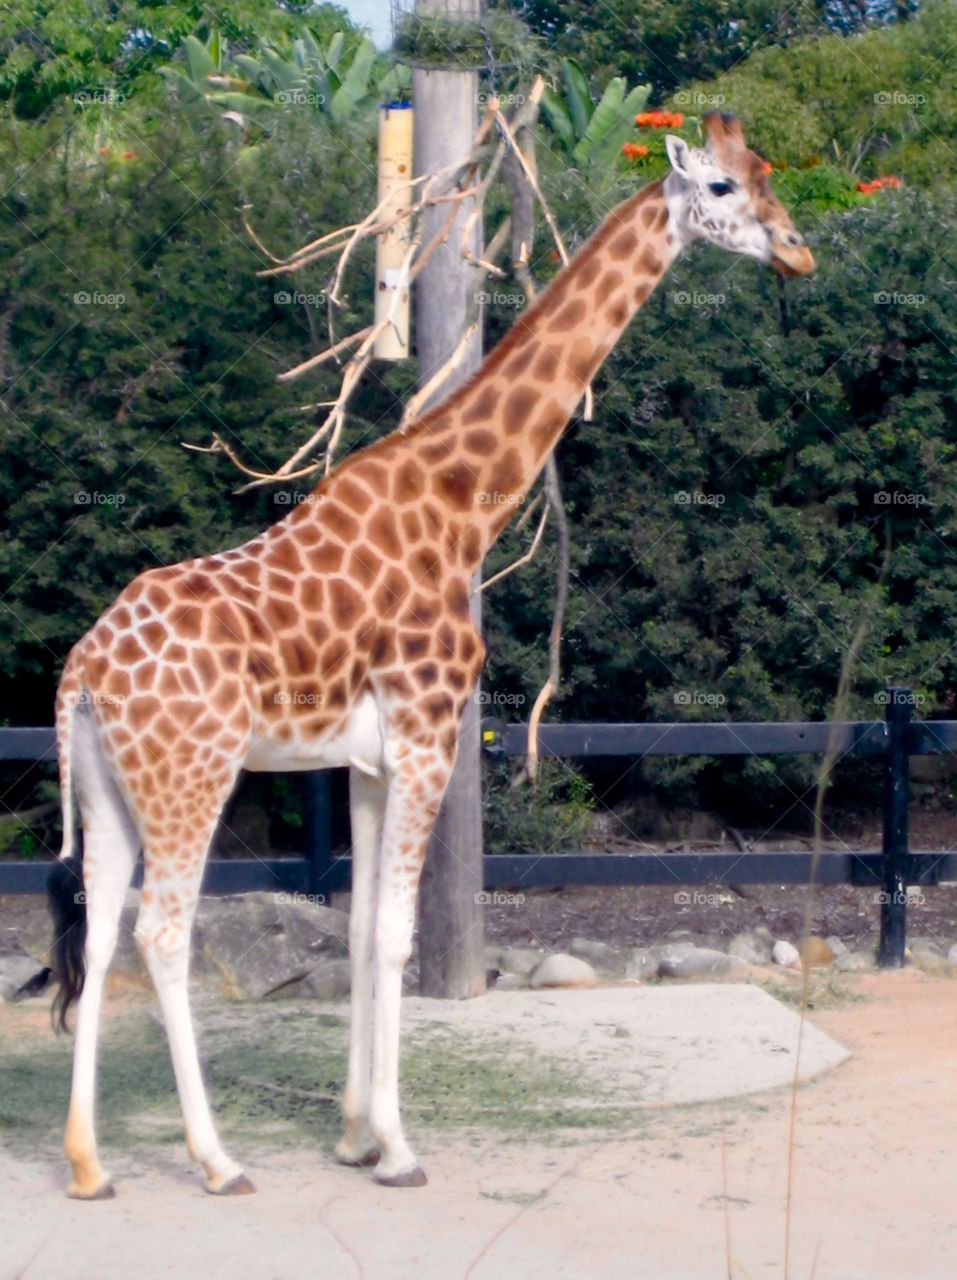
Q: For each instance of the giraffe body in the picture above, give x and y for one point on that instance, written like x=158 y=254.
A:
x=342 y=636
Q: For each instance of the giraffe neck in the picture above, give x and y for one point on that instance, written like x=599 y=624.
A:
x=504 y=422
x=462 y=471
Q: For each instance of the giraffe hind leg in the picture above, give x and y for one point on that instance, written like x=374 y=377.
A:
x=174 y=858
x=110 y=848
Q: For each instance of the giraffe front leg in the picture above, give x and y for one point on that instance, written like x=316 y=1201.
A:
x=367 y=798
x=415 y=794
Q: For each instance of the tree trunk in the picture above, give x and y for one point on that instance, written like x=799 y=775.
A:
x=451 y=938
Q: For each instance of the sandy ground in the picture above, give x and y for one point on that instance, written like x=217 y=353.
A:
x=700 y=1195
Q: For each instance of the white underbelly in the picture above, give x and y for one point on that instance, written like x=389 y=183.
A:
x=356 y=741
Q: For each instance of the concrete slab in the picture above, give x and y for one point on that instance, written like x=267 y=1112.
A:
x=652 y=1046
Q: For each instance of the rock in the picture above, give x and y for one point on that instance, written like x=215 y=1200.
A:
x=519 y=960
x=838 y=948
x=642 y=965
x=511 y=982
x=952 y=956
x=604 y=958
x=926 y=956
x=816 y=953
x=854 y=962
x=563 y=970
x=252 y=944
x=325 y=981
x=750 y=947
x=785 y=954
x=683 y=960
x=15 y=970
x=36 y=938
x=247 y=944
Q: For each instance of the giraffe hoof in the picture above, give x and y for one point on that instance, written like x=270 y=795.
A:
x=238 y=1186
x=366 y=1161
x=105 y=1191
x=411 y=1178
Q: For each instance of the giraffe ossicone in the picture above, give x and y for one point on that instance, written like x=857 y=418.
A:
x=342 y=636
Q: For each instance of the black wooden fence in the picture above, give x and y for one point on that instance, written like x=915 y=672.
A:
x=889 y=871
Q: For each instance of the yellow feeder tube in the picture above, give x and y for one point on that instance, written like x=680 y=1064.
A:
x=392 y=246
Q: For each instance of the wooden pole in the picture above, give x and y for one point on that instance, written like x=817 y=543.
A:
x=451 y=936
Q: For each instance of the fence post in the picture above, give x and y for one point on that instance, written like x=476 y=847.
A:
x=318 y=851
x=895 y=863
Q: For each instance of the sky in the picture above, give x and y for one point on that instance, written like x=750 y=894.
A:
x=374 y=15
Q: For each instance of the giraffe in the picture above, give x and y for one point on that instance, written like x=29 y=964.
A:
x=342 y=636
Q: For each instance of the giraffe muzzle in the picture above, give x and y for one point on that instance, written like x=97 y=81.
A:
x=789 y=255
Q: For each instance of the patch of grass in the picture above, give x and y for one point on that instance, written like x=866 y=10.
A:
x=275 y=1075
x=830 y=993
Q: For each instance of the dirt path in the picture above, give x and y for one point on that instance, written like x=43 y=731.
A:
x=875 y=1159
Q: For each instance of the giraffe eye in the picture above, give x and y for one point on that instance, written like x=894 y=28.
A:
x=720 y=188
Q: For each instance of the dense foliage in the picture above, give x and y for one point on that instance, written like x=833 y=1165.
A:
x=883 y=101
x=672 y=42
x=750 y=486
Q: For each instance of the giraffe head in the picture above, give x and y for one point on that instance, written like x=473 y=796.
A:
x=721 y=193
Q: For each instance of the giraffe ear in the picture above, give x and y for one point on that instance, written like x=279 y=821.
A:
x=679 y=155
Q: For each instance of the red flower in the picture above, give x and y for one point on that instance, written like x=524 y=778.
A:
x=634 y=151
x=659 y=120
x=879 y=184
x=129 y=155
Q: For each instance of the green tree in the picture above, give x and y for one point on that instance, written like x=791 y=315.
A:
x=63 y=47
x=673 y=41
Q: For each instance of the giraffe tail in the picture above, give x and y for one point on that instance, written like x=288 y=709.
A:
x=65 y=895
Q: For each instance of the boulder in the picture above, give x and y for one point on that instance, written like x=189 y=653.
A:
x=683 y=960
x=603 y=958
x=36 y=937
x=510 y=982
x=750 y=947
x=328 y=980
x=519 y=960
x=248 y=945
x=855 y=962
x=927 y=957
x=952 y=956
x=15 y=970
x=253 y=944
x=641 y=964
x=563 y=970
x=838 y=947
x=785 y=954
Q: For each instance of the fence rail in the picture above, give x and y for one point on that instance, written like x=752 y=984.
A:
x=889 y=871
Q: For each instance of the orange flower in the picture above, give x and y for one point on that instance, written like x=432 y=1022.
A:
x=129 y=155
x=879 y=184
x=105 y=151
x=766 y=167
x=659 y=120
x=634 y=151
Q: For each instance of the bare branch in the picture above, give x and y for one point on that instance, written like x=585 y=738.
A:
x=424 y=394
x=553 y=495
x=535 y=94
x=328 y=354
x=516 y=564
